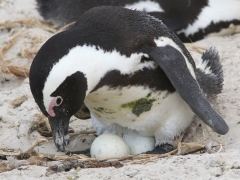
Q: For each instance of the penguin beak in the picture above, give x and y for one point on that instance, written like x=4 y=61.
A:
x=59 y=126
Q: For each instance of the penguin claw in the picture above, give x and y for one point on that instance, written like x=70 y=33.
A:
x=3 y=157
x=161 y=149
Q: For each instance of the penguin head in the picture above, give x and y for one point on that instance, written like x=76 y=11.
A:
x=62 y=103
x=58 y=95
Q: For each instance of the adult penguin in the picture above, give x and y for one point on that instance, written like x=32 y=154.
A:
x=132 y=72
x=191 y=20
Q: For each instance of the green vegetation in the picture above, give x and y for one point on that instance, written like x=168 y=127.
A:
x=141 y=105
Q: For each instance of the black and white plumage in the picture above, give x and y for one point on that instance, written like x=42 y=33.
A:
x=131 y=71
x=191 y=20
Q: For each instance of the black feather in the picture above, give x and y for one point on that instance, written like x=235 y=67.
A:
x=211 y=84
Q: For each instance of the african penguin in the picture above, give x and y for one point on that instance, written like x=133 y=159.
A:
x=131 y=71
x=191 y=20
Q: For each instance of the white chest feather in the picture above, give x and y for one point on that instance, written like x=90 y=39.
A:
x=160 y=114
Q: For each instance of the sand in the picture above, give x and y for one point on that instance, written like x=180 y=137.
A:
x=20 y=116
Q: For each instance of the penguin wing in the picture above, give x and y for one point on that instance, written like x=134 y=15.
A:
x=174 y=65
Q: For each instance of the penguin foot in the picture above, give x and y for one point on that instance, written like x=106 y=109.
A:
x=3 y=157
x=161 y=149
x=85 y=152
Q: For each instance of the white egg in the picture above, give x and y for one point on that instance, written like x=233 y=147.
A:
x=139 y=144
x=109 y=145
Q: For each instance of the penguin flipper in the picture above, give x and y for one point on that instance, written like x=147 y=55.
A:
x=174 y=65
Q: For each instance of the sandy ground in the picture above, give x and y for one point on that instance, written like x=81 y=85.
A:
x=20 y=116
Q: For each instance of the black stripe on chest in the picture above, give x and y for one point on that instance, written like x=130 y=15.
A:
x=154 y=79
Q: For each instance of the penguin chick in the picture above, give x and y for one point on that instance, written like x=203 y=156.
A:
x=130 y=70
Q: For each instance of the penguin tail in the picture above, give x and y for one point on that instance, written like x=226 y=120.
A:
x=46 y=8
x=209 y=73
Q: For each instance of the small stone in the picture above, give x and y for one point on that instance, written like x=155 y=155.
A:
x=236 y=165
x=131 y=173
x=216 y=171
x=23 y=167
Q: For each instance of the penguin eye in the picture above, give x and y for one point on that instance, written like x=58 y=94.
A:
x=59 y=101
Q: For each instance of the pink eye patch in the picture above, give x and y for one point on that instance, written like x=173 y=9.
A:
x=56 y=101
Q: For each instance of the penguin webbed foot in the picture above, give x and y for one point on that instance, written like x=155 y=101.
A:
x=85 y=152
x=3 y=157
x=161 y=149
